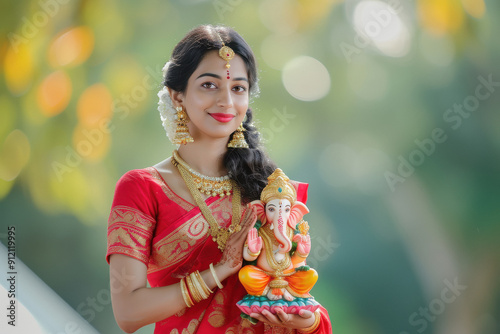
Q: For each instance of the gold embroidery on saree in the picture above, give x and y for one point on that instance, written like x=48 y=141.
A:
x=192 y=326
x=277 y=330
x=244 y=327
x=181 y=312
x=125 y=238
x=217 y=317
x=178 y=244
x=131 y=216
x=129 y=232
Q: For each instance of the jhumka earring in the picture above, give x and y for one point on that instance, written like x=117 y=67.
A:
x=182 y=135
x=238 y=140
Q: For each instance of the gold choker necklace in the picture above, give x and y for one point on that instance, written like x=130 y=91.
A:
x=210 y=185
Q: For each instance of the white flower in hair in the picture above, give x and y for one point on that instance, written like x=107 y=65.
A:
x=165 y=68
x=167 y=111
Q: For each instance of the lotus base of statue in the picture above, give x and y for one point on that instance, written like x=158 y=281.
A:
x=256 y=304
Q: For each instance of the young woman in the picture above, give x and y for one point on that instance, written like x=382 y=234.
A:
x=182 y=224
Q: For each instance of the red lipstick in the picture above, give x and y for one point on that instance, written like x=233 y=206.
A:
x=222 y=117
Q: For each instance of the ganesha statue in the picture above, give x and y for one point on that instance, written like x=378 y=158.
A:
x=277 y=247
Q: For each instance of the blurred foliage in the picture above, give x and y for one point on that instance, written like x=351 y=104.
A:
x=338 y=109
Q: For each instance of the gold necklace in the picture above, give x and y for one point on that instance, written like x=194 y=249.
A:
x=210 y=185
x=219 y=234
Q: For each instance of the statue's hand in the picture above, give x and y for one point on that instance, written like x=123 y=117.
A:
x=254 y=241
x=303 y=244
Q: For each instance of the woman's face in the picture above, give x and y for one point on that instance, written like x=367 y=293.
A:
x=216 y=105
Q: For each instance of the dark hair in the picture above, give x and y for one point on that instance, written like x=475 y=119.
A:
x=248 y=167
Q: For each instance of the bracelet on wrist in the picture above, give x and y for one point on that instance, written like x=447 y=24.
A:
x=194 y=289
x=185 y=294
x=214 y=274
x=315 y=325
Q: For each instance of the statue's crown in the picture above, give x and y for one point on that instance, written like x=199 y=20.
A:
x=278 y=186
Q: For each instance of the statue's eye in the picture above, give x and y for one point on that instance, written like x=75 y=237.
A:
x=270 y=209
x=287 y=209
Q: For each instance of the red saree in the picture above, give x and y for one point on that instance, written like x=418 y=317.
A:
x=152 y=224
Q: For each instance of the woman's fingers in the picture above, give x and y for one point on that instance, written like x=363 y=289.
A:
x=306 y=314
x=250 y=217
x=245 y=225
x=259 y=317
x=282 y=315
x=270 y=317
x=283 y=319
x=249 y=221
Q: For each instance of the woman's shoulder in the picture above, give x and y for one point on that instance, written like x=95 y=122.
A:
x=138 y=175
x=142 y=179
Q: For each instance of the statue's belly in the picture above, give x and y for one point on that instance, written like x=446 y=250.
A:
x=264 y=265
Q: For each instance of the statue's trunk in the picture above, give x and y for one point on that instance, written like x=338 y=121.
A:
x=280 y=234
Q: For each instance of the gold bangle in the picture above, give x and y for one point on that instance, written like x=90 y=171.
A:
x=204 y=285
x=315 y=325
x=192 y=290
x=199 y=295
x=214 y=274
x=197 y=284
x=252 y=254
x=185 y=294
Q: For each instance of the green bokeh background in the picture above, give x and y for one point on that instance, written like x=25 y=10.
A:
x=382 y=252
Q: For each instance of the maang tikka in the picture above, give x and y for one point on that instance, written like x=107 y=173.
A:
x=238 y=141
x=226 y=53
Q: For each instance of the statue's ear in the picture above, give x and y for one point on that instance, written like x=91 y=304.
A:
x=261 y=210
x=298 y=211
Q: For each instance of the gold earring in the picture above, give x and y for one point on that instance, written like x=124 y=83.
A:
x=238 y=140
x=182 y=135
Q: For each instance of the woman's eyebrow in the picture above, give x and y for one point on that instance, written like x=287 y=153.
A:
x=219 y=77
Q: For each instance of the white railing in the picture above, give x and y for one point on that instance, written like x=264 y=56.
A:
x=37 y=308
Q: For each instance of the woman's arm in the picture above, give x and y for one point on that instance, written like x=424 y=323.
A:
x=135 y=305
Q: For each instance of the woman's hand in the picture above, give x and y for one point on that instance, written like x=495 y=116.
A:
x=232 y=258
x=304 y=319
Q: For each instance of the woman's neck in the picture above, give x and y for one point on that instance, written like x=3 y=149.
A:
x=205 y=156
